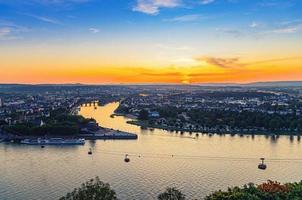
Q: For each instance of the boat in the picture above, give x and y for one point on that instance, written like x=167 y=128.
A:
x=53 y=141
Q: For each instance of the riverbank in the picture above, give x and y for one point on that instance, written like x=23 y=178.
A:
x=94 y=132
x=89 y=131
x=124 y=115
x=145 y=125
x=101 y=134
x=105 y=133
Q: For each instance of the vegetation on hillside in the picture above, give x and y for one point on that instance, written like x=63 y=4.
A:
x=270 y=190
x=171 y=194
x=234 y=120
x=93 y=189
x=60 y=122
x=266 y=191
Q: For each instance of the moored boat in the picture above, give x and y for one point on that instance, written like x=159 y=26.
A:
x=53 y=141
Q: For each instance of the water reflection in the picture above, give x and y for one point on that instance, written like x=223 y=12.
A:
x=199 y=165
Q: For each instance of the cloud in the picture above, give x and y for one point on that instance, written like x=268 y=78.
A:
x=10 y=30
x=230 y=31
x=221 y=62
x=49 y=4
x=285 y=29
x=57 y=2
x=64 y=1
x=253 y=25
x=44 y=19
x=276 y=3
x=236 y=63
x=205 y=2
x=94 y=30
x=291 y=22
x=13 y=26
x=169 y=47
x=5 y=31
x=8 y=33
x=152 y=7
x=164 y=74
x=47 y=19
x=279 y=27
x=275 y=60
x=184 y=18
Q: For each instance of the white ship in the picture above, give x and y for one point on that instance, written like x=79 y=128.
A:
x=53 y=141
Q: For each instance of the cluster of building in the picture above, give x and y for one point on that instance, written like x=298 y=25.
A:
x=232 y=100
x=33 y=108
x=36 y=103
x=239 y=101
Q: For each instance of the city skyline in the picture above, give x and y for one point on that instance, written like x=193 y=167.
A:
x=150 y=41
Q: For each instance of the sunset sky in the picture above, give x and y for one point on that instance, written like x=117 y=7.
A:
x=150 y=41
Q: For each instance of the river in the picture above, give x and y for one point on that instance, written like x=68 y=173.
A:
x=159 y=159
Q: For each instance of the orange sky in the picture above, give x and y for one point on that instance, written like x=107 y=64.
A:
x=103 y=62
x=205 y=70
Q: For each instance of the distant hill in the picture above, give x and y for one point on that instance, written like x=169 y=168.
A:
x=276 y=84
x=39 y=87
x=258 y=84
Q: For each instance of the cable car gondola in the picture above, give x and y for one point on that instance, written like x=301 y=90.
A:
x=90 y=152
x=126 y=158
x=262 y=166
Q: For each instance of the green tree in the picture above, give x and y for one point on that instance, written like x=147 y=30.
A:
x=171 y=194
x=143 y=115
x=92 y=190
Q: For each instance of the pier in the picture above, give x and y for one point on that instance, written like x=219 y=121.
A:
x=104 y=133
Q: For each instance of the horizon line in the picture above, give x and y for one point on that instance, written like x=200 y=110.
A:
x=192 y=84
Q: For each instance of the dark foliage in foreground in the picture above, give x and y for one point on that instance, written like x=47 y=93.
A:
x=97 y=190
x=171 y=194
x=266 y=191
x=92 y=190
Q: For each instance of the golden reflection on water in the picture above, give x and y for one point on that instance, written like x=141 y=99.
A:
x=218 y=145
x=198 y=166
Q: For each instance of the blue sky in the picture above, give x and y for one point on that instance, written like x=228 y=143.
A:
x=37 y=18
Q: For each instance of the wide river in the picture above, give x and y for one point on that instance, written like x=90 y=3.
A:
x=198 y=165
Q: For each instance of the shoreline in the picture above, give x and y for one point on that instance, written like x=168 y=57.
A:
x=107 y=133
x=101 y=134
x=123 y=115
x=145 y=125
